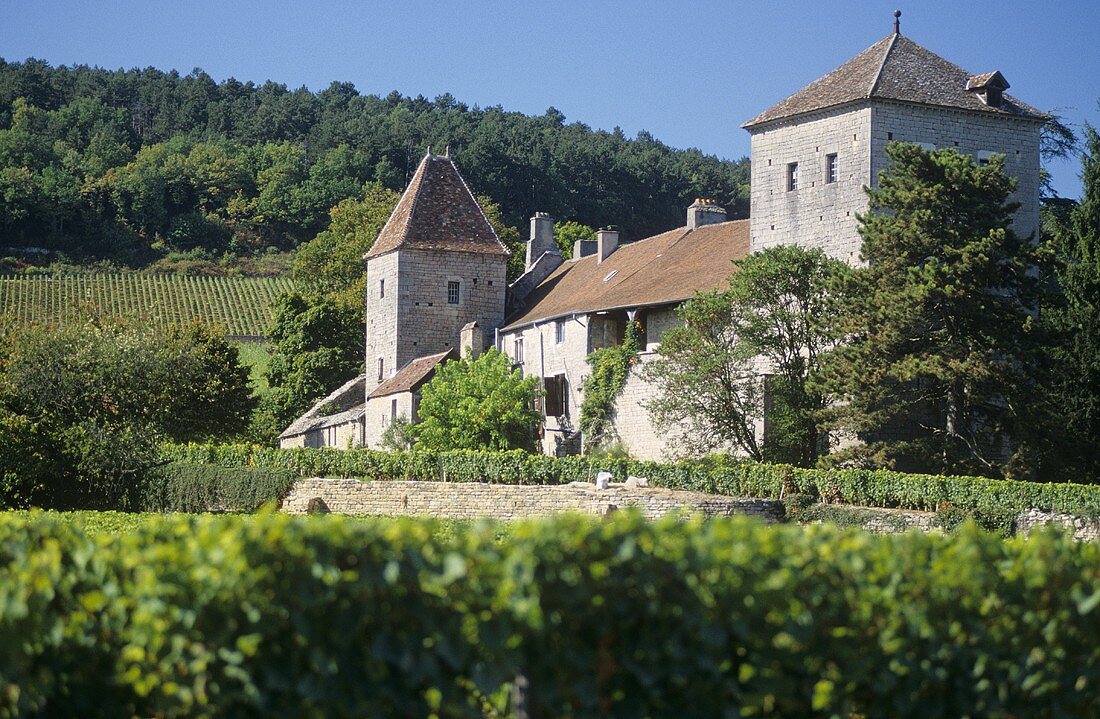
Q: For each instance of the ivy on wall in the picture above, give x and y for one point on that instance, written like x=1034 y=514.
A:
x=610 y=368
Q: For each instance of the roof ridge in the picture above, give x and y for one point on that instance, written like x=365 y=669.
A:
x=478 y=205
x=416 y=193
x=882 y=65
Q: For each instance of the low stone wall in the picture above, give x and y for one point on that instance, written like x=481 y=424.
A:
x=1083 y=529
x=470 y=500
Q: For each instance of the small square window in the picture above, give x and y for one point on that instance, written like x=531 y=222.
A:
x=831 y=170
x=382 y=289
x=452 y=293
x=559 y=332
x=792 y=176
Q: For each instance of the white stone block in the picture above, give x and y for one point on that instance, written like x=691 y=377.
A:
x=637 y=482
x=603 y=479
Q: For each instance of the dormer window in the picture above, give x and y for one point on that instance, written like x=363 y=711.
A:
x=989 y=87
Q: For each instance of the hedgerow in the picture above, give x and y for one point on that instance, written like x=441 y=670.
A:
x=275 y=616
x=184 y=487
x=992 y=501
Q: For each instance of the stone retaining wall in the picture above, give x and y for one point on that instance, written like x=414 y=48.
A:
x=1083 y=529
x=470 y=500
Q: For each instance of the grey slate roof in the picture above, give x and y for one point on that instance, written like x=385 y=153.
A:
x=894 y=68
x=346 y=399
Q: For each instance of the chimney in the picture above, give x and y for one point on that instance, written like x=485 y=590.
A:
x=542 y=238
x=704 y=212
x=471 y=340
x=583 y=248
x=607 y=241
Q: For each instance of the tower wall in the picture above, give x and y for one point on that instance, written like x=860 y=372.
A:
x=819 y=214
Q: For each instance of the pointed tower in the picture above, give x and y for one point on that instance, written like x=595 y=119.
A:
x=436 y=266
x=813 y=152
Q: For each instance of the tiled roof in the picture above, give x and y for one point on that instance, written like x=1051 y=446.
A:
x=414 y=373
x=662 y=269
x=345 y=399
x=438 y=212
x=894 y=68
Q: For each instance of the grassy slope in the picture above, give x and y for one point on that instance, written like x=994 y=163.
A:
x=257 y=357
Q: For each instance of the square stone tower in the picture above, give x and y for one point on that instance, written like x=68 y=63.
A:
x=813 y=153
x=436 y=266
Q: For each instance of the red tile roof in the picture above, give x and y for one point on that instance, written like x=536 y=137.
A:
x=438 y=212
x=894 y=68
x=662 y=269
x=412 y=375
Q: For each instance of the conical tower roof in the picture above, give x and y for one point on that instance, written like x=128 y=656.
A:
x=438 y=212
x=894 y=68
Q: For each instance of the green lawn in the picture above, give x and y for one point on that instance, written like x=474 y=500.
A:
x=256 y=356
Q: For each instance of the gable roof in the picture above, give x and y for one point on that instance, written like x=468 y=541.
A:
x=438 y=212
x=894 y=68
x=347 y=399
x=663 y=269
x=412 y=375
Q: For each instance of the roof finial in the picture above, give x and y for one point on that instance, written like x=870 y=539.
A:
x=447 y=152
x=897 y=22
x=429 y=151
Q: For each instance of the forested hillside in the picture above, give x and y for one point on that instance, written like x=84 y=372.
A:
x=132 y=165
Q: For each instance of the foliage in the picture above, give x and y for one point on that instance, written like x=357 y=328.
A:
x=478 y=403
x=137 y=164
x=935 y=371
x=1072 y=316
x=398 y=435
x=317 y=346
x=234 y=616
x=601 y=388
x=774 y=319
x=332 y=263
x=713 y=475
x=181 y=487
x=569 y=232
x=241 y=305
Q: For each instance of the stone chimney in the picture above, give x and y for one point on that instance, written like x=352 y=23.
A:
x=704 y=212
x=542 y=238
x=607 y=241
x=471 y=340
x=583 y=248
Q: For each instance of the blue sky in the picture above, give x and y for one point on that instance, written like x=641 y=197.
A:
x=690 y=73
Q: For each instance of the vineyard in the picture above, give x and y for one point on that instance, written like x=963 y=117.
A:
x=242 y=305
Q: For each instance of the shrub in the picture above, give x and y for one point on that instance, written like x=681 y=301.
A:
x=182 y=487
x=326 y=616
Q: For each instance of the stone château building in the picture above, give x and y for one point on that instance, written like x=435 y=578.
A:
x=436 y=274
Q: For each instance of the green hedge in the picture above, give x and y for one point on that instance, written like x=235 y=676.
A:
x=189 y=487
x=277 y=616
x=716 y=475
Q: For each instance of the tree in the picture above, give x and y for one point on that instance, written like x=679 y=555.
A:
x=939 y=352
x=478 y=404
x=318 y=346
x=773 y=320
x=1073 y=317
x=83 y=408
x=567 y=233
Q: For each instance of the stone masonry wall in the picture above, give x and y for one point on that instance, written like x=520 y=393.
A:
x=470 y=500
x=1083 y=529
x=818 y=214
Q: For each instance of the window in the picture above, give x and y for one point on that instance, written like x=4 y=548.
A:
x=557 y=395
x=393 y=409
x=792 y=177
x=452 y=293
x=517 y=354
x=831 y=170
x=381 y=368
x=381 y=289
x=559 y=332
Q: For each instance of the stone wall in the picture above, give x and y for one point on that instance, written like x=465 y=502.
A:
x=470 y=500
x=1083 y=529
x=380 y=412
x=818 y=214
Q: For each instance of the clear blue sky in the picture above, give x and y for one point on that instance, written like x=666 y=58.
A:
x=690 y=73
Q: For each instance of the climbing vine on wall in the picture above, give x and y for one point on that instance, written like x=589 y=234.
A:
x=610 y=368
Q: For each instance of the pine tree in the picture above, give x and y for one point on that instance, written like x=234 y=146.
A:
x=938 y=360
